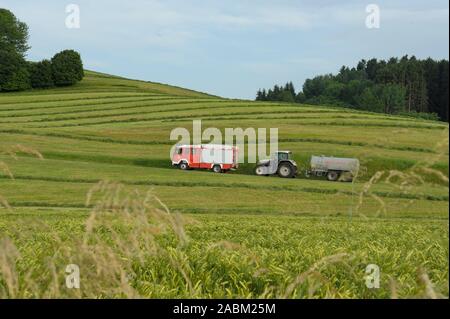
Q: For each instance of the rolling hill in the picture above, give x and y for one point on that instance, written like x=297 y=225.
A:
x=58 y=143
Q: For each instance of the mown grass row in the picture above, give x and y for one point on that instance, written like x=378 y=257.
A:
x=234 y=212
x=58 y=105
x=168 y=103
x=110 y=95
x=165 y=142
x=370 y=116
x=169 y=99
x=79 y=88
x=212 y=108
x=360 y=144
x=233 y=185
x=207 y=116
x=89 y=105
x=362 y=124
x=379 y=124
x=92 y=107
x=146 y=105
x=403 y=123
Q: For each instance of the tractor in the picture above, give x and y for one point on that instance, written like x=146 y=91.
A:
x=280 y=163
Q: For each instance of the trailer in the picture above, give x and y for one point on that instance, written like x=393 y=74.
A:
x=333 y=167
x=215 y=157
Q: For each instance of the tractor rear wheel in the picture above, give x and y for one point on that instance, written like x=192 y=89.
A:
x=285 y=170
x=184 y=166
x=217 y=169
x=332 y=176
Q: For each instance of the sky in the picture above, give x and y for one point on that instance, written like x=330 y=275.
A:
x=231 y=48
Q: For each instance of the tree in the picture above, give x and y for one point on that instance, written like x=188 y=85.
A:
x=286 y=96
x=371 y=69
x=41 y=74
x=264 y=95
x=370 y=101
x=67 y=68
x=352 y=90
x=19 y=81
x=362 y=65
x=14 y=75
x=316 y=86
x=276 y=94
x=334 y=90
x=14 y=34
x=13 y=45
x=393 y=98
x=431 y=69
x=443 y=90
x=290 y=88
x=261 y=95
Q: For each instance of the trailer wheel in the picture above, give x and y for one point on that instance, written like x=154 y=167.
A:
x=332 y=176
x=184 y=166
x=217 y=169
x=346 y=177
x=286 y=171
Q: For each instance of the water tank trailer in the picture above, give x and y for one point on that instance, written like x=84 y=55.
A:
x=333 y=167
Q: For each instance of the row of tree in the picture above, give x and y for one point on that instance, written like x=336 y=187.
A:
x=16 y=74
x=405 y=85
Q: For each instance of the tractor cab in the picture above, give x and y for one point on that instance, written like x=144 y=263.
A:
x=283 y=155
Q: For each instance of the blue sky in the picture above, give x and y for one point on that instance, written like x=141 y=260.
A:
x=233 y=47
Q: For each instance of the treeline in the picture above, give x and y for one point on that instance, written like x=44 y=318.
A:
x=17 y=74
x=397 y=86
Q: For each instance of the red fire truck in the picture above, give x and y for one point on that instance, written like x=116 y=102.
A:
x=219 y=158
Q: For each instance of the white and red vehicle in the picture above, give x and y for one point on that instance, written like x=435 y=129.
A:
x=219 y=158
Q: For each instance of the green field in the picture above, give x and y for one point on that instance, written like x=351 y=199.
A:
x=223 y=235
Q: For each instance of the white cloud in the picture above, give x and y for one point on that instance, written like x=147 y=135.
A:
x=185 y=14
x=272 y=17
x=167 y=38
x=411 y=15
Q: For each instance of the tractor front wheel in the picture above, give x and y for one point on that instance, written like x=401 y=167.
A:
x=259 y=170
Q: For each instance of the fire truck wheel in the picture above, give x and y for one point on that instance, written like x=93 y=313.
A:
x=217 y=169
x=184 y=166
